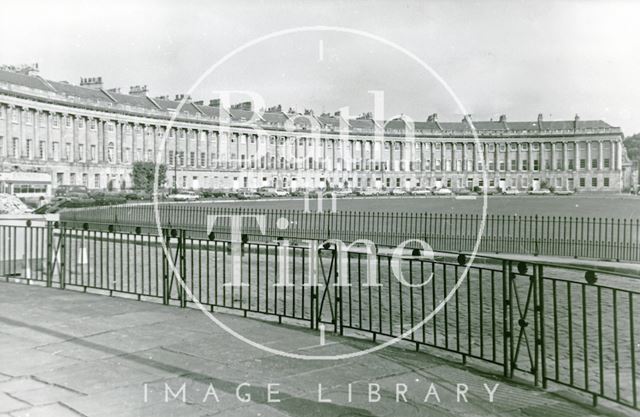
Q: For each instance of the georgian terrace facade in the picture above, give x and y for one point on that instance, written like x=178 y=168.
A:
x=91 y=136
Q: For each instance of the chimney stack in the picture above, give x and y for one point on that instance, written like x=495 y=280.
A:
x=91 y=82
x=138 y=90
x=575 y=122
x=503 y=118
x=432 y=117
x=180 y=97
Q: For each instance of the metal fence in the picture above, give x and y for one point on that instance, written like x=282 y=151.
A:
x=566 y=325
x=581 y=237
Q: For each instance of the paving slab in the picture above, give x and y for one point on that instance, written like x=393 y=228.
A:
x=106 y=356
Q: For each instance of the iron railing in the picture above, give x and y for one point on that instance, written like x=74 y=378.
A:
x=581 y=237
x=566 y=325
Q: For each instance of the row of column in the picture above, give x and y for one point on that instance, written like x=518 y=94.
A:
x=220 y=150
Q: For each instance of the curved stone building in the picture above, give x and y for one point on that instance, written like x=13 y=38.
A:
x=87 y=135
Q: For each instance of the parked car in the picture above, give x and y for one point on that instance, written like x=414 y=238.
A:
x=247 y=195
x=421 y=192
x=72 y=191
x=540 y=192
x=343 y=193
x=184 y=196
x=462 y=191
x=369 y=192
x=442 y=191
x=489 y=191
x=398 y=191
x=563 y=192
x=272 y=192
x=511 y=191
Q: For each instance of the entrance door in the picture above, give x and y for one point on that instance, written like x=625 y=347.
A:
x=535 y=184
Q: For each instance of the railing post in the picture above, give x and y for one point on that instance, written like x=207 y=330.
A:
x=62 y=256
x=50 y=266
x=536 y=326
x=338 y=280
x=182 y=243
x=506 y=336
x=165 y=267
x=541 y=343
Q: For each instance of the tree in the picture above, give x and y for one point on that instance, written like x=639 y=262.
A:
x=143 y=174
x=632 y=143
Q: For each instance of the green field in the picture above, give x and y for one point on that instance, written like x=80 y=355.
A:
x=584 y=226
x=592 y=205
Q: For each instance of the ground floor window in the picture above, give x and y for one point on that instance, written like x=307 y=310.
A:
x=594 y=182
x=30 y=188
x=606 y=181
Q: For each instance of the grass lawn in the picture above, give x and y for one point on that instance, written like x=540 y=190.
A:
x=589 y=205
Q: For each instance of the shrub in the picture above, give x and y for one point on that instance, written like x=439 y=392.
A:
x=144 y=173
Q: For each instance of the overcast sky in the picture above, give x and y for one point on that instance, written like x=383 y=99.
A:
x=513 y=57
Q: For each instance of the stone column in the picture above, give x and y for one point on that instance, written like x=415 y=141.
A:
x=75 y=140
x=432 y=159
x=36 y=134
x=619 y=151
x=102 y=143
x=118 y=142
x=588 y=166
x=600 y=156
x=613 y=158
x=485 y=156
x=22 y=142
x=7 y=136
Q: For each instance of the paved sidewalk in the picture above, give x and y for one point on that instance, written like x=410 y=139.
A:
x=64 y=353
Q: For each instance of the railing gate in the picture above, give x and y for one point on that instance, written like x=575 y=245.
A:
x=524 y=332
x=175 y=243
x=324 y=294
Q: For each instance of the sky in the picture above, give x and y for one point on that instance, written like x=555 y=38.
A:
x=519 y=58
